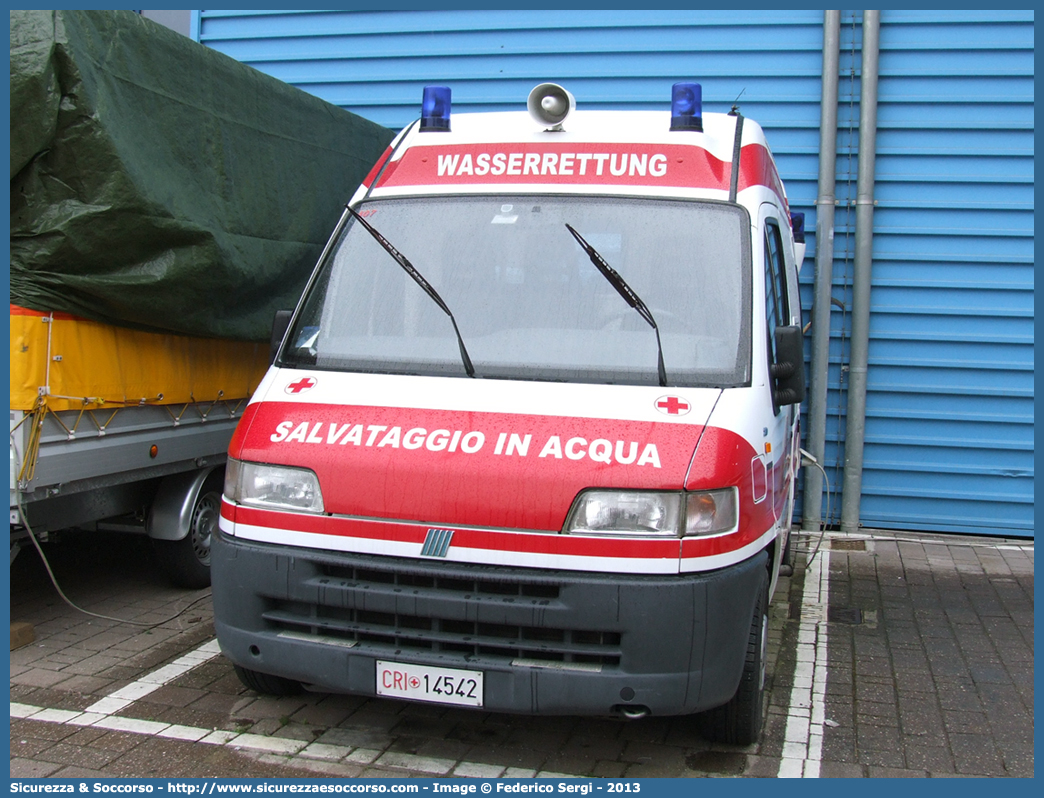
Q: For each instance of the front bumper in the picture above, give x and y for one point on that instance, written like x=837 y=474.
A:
x=548 y=642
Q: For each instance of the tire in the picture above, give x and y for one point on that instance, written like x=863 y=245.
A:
x=187 y=561
x=788 y=550
x=266 y=683
x=739 y=722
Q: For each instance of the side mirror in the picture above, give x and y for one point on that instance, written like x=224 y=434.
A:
x=797 y=225
x=788 y=372
x=280 y=324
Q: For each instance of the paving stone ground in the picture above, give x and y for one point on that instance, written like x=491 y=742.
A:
x=929 y=673
x=938 y=677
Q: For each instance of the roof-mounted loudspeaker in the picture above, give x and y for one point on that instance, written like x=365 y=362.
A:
x=549 y=104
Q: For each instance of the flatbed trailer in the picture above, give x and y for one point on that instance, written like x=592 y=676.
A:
x=122 y=429
x=166 y=200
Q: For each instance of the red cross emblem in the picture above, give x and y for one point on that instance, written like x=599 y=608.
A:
x=414 y=682
x=302 y=384
x=673 y=405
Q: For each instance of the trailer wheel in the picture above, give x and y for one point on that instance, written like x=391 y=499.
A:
x=739 y=721
x=266 y=683
x=187 y=561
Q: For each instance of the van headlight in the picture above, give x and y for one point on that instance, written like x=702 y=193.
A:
x=275 y=487
x=611 y=512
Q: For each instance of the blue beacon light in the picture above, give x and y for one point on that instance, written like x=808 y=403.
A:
x=435 y=109
x=687 y=107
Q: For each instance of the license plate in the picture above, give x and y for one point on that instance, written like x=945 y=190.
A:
x=425 y=683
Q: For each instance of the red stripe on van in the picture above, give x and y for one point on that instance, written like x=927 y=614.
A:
x=758 y=169
x=667 y=165
x=579 y=163
x=477 y=539
x=404 y=480
x=368 y=180
x=409 y=463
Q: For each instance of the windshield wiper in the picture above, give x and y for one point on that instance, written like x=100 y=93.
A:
x=628 y=294
x=418 y=278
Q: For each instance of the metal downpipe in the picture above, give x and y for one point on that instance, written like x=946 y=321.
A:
x=812 y=501
x=855 y=429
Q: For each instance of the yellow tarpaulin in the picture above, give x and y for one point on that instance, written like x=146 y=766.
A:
x=114 y=366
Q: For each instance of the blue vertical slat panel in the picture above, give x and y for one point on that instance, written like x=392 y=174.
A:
x=950 y=418
x=949 y=428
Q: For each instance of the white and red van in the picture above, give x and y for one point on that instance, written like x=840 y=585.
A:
x=529 y=440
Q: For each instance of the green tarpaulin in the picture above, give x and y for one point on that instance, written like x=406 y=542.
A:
x=159 y=184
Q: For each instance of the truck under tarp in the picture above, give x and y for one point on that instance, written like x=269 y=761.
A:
x=160 y=185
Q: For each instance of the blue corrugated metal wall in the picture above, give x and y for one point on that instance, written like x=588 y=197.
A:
x=950 y=396
x=949 y=441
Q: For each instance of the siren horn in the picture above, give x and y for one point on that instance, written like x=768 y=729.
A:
x=550 y=104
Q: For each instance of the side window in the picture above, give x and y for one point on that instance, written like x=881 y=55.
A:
x=777 y=305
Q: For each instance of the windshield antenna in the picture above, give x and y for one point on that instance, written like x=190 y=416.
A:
x=628 y=294
x=418 y=278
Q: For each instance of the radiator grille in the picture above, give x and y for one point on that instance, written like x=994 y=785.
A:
x=474 y=638
x=455 y=584
x=432 y=630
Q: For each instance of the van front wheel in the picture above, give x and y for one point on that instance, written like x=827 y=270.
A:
x=267 y=684
x=739 y=721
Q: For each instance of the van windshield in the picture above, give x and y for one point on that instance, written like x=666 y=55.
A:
x=527 y=299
